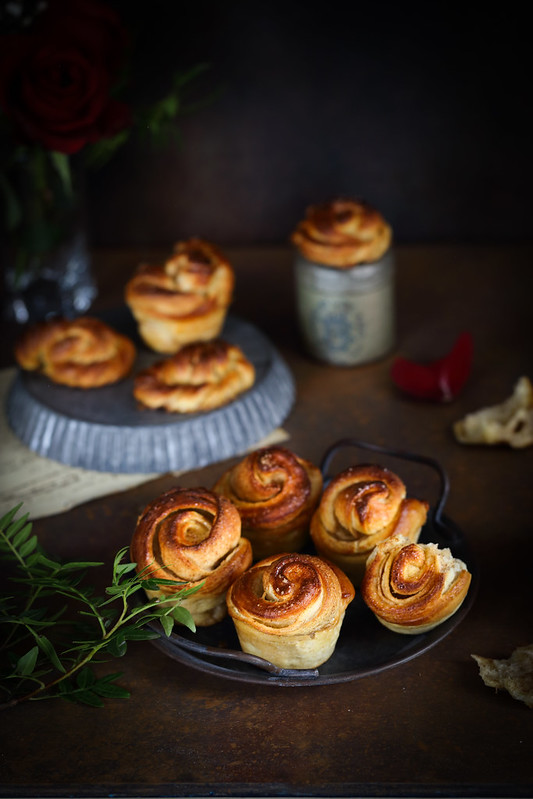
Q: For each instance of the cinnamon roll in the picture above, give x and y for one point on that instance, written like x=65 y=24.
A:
x=342 y=233
x=275 y=492
x=81 y=353
x=360 y=507
x=199 y=377
x=289 y=608
x=185 y=299
x=412 y=588
x=194 y=536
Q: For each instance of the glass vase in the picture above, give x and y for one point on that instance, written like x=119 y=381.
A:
x=46 y=260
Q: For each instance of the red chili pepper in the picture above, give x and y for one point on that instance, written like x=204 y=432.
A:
x=440 y=380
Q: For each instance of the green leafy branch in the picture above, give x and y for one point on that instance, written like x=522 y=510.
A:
x=158 y=121
x=48 y=650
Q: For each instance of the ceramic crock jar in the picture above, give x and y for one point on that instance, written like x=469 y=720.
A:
x=344 y=273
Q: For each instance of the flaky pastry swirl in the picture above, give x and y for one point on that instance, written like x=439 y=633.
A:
x=360 y=507
x=199 y=377
x=342 y=233
x=412 y=588
x=289 y=609
x=183 y=300
x=276 y=493
x=192 y=535
x=81 y=353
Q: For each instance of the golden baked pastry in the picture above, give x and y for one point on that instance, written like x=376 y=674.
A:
x=185 y=299
x=82 y=353
x=276 y=493
x=360 y=507
x=199 y=377
x=412 y=588
x=509 y=422
x=289 y=608
x=193 y=535
x=342 y=233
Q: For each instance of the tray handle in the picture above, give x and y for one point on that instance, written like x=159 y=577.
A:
x=203 y=650
x=444 y=525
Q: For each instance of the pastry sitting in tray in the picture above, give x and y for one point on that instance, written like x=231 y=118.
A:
x=289 y=609
x=192 y=535
x=200 y=377
x=412 y=588
x=183 y=300
x=81 y=353
x=276 y=493
x=360 y=507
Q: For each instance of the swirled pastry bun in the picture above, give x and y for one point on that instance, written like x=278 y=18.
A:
x=360 y=507
x=342 y=233
x=412 y=588
x=81 y=353
x=192 y=535
x=276 y=493
x=186 y=299
x=199 y=377
x=289 y=608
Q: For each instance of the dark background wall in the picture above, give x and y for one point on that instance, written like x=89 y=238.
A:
x=423 y=110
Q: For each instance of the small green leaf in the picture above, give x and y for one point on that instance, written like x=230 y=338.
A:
x=47 y=647
x=188 y=591
x=61 y=164
x=117 y=646
x=85 y=677
x=124 y=568
x=139 y=634
x=100 y=152
x=5 y=521
x=18 y=530
x=65 y=686
x=47 y=563
x=167 y=623
x=183 y=616
x=79 y=565
x=28 y=546
x=88 y=698
x=26 y=664
x=108 y=688
x=114 y=590
x=155 y=582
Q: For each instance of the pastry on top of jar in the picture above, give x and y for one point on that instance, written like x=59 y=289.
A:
x=342 y=233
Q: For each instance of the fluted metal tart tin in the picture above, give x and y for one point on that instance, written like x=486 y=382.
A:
x=346 y=316
x=103 y=429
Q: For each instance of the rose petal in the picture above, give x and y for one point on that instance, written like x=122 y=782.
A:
x=440 y=380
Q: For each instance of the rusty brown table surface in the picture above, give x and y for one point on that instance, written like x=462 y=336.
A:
x=427 y=727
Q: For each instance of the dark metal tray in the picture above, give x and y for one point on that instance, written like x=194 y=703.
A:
x=364 y=646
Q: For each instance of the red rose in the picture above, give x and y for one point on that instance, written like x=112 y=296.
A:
x=56 y=81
